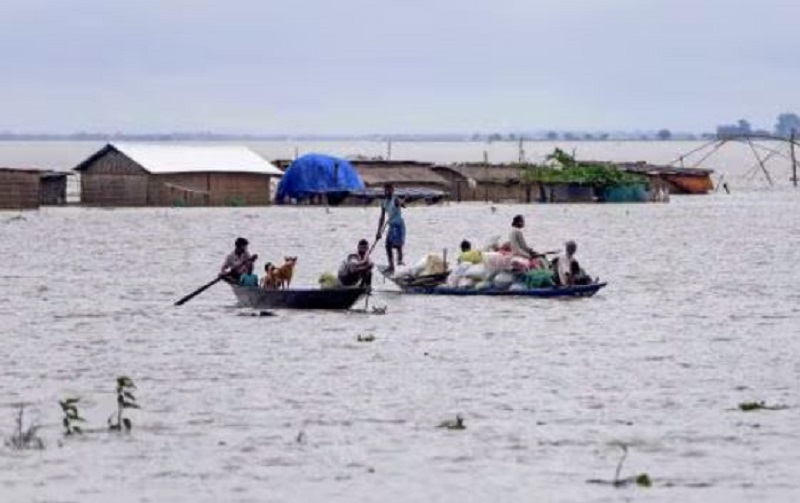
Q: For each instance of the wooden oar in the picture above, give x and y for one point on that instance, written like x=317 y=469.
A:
x=199 y=291
x=210 y=284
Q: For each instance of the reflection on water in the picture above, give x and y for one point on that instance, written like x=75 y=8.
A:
x=700 y=314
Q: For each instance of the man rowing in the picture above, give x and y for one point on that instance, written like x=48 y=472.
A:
x=238 y=262
x=356 y=270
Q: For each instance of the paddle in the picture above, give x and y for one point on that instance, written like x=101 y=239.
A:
x=371 y=248
x=208 y=285
x=200 y=290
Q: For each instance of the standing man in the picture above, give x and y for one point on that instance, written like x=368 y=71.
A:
x=396 y=235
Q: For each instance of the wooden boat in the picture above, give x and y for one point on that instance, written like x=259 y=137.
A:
x=297 y=298
x=434 y=285
x=559 y=291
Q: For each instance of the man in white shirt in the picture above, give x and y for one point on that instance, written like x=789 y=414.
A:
x=568 y=270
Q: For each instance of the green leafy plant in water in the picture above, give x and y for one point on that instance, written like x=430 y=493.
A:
x=750 y=406
x=561 y=167
x=25 y=438
x=125 y=400
x=71 y=416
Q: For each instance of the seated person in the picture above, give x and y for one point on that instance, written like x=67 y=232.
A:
x=568 y=271
x=468 y=255
x=248 y=278
x=519 y=247
x=356 y=270
x=268 y=281
x=237 y=261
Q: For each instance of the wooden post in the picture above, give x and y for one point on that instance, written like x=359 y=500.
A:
x=794 y=158
x=389 y=150
x=485 y=157
x=521 y=151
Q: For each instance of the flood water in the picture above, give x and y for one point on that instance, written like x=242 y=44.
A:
x=701 y=314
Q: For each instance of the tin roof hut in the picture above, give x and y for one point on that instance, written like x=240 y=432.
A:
x=141 y=174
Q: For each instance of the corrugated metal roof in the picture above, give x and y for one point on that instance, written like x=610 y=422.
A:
x=160 y=158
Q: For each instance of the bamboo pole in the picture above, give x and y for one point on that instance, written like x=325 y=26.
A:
x=794 y=159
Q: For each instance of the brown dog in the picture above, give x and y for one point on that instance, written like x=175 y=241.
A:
x=283 y=274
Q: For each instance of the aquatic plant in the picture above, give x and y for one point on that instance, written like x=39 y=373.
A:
x=125 y=400
x=750 y=406
x=641 y=480
x=561 y=167
x=24 y=438
x=71 y=416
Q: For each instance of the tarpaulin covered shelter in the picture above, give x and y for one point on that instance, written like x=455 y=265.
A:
x=315 y=175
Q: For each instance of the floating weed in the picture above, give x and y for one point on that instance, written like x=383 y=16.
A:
x=125 y=400
x=379 y=310
x=641 y=480
x=365 y=338
x=24 y=438
x=453 y=424
x=749 y=406
x=71 y=416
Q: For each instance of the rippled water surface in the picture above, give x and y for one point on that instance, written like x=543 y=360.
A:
x=701 y=314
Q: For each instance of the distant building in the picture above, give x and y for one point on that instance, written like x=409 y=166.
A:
x=142 y=174
x=742 y=128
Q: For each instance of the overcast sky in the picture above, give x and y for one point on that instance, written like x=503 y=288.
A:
x=395 y=66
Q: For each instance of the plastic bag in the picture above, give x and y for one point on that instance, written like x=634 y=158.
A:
x=539 y=278
x=477 y=271
x=328 y=280
x=503 y=280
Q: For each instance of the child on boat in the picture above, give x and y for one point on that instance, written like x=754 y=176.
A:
x=248 y=278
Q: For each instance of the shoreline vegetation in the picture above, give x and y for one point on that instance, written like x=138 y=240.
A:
x=422 y=138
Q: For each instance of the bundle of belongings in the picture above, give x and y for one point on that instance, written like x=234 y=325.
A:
x=496 y=268
x=431 y=270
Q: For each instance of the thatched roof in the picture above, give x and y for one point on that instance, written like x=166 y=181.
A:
x=402 y=175
x=486 y=173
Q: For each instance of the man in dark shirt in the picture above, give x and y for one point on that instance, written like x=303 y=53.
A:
x=356 y=270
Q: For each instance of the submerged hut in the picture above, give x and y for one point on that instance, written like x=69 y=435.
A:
x=19 y=189
x=318 y=179
x=53 y=188
x=412 y=180
x=485 y=182
x=138 y=174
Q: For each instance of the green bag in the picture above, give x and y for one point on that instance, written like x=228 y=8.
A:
x=539 y=278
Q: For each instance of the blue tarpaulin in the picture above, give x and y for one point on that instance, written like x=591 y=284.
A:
x=315 y=174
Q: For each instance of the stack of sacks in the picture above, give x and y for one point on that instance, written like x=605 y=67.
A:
x=429 y=264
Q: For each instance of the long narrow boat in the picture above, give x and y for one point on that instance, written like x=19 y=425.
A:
x=297 y=298
x=560 y=291
x=433 y=284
